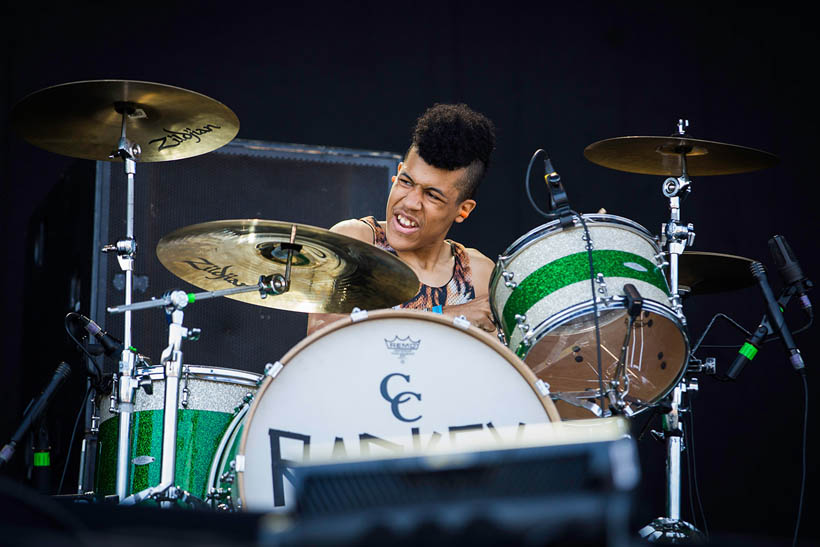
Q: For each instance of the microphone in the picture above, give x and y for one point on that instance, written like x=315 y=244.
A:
x=559 y=201
x=35 y=410
x=110 y=344
x=790 y=270
x=747 y=351
x=776 y=317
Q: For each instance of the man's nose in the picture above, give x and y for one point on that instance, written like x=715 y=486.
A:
x=413 y=198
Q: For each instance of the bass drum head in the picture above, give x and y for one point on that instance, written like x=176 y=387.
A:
x=397 y=381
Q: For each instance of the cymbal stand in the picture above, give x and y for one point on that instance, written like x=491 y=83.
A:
x=671 y=528
x=126 y=250
x=674 y=234
x=174 y=303
x=676 y=237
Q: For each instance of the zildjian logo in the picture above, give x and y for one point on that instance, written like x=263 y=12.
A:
x=402 y=347
x=218 y=272
x=175 y=138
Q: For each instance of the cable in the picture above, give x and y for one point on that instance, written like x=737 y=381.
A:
x=709 y=327
x=97 y=369
x=803 y=477
x=695 y=467
x=71 y=442
x=594 y=306
x=527 y=184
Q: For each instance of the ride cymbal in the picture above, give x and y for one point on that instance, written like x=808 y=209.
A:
x=84 y=120
x=662 y=156
x=330 y=273
x=708 y=273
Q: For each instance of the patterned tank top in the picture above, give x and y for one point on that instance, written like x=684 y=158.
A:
x=459 y=290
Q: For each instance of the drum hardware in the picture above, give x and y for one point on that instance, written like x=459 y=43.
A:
x=671 y=528
x=174 y=303
x=154 y=122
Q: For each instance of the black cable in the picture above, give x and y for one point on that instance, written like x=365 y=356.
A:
x=594 y=306
x=71 y=442
x=709 y=327
x=803 y=477
x=695 y=468
x=527 y=184
x=690 y=487
x=97 y=369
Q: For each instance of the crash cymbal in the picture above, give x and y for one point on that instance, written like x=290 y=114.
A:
x=330 y=273
x=84 y=120
x=707 y=273
x=662 y=156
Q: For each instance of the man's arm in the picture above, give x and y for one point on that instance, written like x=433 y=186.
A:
x=351 y=228
x=477 y=311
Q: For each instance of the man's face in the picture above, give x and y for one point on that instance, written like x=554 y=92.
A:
x=423 y=203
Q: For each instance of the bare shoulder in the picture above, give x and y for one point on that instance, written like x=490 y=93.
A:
x=354 y=228
x=482 y=269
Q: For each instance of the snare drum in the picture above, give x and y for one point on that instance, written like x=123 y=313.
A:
x=541 y=298
x=210 y=398
x=392 y=382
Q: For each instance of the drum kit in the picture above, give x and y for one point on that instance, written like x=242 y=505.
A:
x=588 y=308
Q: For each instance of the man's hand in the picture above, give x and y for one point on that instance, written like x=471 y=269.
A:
x=476 y=311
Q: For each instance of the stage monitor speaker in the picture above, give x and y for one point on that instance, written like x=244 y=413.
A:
x=245 y=179
x=565 y=494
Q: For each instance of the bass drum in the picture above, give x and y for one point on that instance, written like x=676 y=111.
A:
x=540 y=296
x=392 y=382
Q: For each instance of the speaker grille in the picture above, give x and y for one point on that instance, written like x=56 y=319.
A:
x=244 y=179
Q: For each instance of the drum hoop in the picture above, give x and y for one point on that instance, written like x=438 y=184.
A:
x=584 y=308
x=553 y=226
x=546 y=401
x=224 y=443
x=204 y=372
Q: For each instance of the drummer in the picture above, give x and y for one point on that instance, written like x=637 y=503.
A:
x=434 y=187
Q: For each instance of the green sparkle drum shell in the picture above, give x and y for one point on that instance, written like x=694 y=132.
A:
x=540 y=295
x=215 y=396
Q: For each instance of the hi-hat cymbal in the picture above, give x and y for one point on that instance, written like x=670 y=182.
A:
x=84 y=120
x=331 y=273
x=708 y=273
x=662 y=156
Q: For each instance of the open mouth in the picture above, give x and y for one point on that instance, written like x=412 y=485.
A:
x=405 y=224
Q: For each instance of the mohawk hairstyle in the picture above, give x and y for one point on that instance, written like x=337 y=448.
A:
x=452 y=136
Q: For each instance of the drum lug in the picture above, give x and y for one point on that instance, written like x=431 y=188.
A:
x=461 y=322
x=602 y=289
x=273 y=369
x=543 y=388
x=521 y=322
x=239 y=463
x=358 y=315
x=508 y=279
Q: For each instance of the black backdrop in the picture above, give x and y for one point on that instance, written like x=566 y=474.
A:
x=357 y=75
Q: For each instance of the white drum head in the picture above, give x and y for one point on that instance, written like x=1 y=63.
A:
x=395 y=382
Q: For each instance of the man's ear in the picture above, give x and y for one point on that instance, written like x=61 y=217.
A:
x=464 y=209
